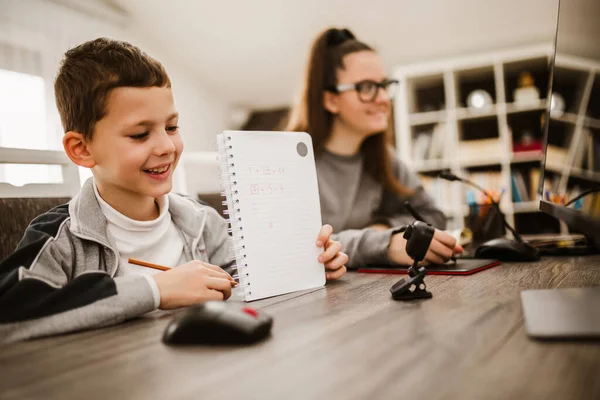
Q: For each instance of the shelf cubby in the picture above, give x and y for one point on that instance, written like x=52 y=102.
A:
x=482 y=141
x=593 y=107
x=570 y=84
x=427 y=94
x=537 y=67
x=479 y=78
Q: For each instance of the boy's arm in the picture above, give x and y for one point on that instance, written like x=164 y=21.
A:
x=219 y=244
x=39 y=298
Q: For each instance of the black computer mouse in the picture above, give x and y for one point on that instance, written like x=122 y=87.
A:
x=218 y=322
x=507 y=250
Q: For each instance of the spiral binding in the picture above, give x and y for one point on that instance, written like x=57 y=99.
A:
x=233 y=209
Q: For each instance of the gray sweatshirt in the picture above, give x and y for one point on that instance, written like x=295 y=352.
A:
x=351 y=200
x=65 y=275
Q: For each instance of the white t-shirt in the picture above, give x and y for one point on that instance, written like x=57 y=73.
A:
x=156 y=242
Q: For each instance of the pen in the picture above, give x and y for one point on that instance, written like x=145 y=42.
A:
x=501 y=194
x=413 y=212
x=159 y=267
x=418 y=217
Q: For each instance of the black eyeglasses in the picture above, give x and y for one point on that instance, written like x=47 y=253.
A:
x=367 y=90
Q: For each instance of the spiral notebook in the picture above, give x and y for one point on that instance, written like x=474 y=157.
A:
x=272 y=200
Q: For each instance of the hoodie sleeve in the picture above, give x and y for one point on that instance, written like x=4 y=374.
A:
x=219 y=244
x=40 y=297
x=365 y=246
x=369 y=246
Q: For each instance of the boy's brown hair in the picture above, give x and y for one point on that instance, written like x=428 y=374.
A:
x=91 y=70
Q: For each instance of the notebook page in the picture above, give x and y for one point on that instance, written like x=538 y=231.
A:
x=279 y=210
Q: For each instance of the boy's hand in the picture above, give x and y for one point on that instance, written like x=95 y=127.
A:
x=443 y=246
x=192 y=283
x=332 y=257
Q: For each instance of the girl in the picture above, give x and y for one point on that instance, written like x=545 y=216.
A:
x=345 y=107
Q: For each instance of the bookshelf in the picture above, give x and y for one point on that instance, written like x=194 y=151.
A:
x=497 y=146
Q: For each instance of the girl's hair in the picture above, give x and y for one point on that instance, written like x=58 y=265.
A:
x=310 y=115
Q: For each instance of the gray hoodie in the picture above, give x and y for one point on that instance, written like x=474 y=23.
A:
x=351 y=200
x=64 y=275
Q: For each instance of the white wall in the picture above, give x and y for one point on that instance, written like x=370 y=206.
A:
x=258 y=49
x=203 y=114
x=52 y=27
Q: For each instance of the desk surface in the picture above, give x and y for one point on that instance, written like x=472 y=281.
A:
x=348 y=340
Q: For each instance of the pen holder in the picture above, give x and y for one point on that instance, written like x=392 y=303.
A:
x=486 y=222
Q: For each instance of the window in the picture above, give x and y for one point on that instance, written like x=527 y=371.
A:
x=23 y=125
x=23 y=115
x=34 y=35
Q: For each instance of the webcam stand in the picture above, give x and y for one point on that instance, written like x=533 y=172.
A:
x=418 y=238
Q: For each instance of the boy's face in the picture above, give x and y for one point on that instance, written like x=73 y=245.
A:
x=136 y=146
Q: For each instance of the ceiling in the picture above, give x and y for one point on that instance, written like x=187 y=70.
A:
x=579 y=28
x=253 y=52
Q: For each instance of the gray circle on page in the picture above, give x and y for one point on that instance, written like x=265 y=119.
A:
x=302 y=149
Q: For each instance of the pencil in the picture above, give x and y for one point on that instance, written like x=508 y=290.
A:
x=159 y=267
x=147 y=264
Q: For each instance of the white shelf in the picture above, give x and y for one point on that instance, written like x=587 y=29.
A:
x=495 y=72
x=585 y=174
x=526 y=206
x=559 y=168
x=425 y=118
x=526 y=156
x=592 y=122
x=567 y=118
x=480 y=161
x=431 y=165
x=471 y=113
x=513 y=108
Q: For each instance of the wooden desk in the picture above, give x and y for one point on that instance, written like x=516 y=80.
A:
x=348 y=340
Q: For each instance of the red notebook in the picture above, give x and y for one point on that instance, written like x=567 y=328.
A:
x=465 y=266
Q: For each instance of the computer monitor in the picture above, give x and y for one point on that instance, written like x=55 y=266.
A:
x=572 y=121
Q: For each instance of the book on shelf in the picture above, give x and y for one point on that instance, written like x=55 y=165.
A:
x=440 y=190
x=589 y=204
x=479 y=149
x=551 y=184
x=534 y=182
x=439 y=141
x=556 y=155
x=522 y=147
x=421 y=145
x=594 y=152
x=580 y=159
x=587 y=155
x=431 y=144
x=489 y=180
x=519 y=188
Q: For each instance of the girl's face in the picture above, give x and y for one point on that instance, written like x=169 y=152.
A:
x=366 y=118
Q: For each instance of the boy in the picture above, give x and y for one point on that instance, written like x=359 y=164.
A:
x=70 y=270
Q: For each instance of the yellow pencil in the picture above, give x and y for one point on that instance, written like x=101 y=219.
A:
x=159 y=267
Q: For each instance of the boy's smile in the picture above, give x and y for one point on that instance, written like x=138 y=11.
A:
x=135 y=148
x=159 y=172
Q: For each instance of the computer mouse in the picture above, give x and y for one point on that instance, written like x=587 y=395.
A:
x=218 y=322
x=504 y=249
